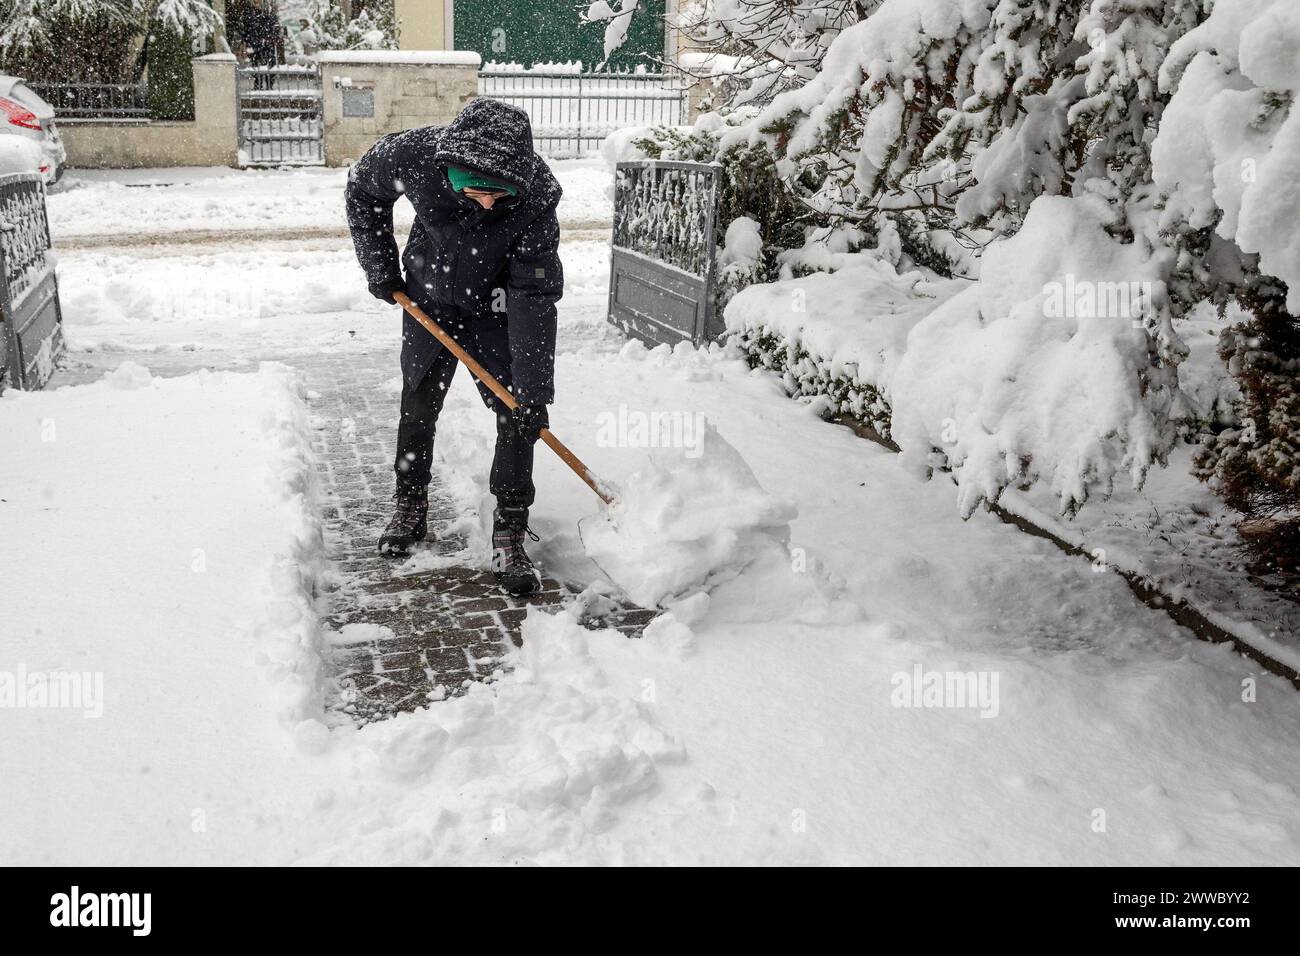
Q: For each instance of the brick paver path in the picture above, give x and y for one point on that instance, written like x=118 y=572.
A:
x=438 y=630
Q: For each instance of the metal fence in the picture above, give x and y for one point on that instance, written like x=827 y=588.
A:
x=662 y=266
x=95 y=101
x=31 y=322
x=573 y=112
x=281 y=116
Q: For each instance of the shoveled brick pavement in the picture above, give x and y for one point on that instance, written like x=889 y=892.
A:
x=398 y=639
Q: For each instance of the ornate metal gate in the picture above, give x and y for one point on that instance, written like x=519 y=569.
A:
x=281 y=121
x=31 y=322
x=662 y=267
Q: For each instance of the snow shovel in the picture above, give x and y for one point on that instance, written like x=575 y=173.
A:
x=482 y=374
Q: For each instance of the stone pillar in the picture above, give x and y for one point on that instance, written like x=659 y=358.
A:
x=372 y=92
x=215 y=109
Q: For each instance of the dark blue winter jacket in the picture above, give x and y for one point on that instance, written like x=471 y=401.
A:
x=498 y=269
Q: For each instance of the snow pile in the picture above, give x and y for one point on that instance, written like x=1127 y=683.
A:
x=196 y=294
x=536 y=768
x=129 y=375
x=686 y=523
x=690 y=522
x=162 y=533
x=288 y=635
x=1229 y=141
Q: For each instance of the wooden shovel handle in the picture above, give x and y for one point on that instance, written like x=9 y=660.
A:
x=508 y=400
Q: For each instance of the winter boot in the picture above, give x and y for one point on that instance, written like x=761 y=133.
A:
x=510 y=563
x=409 y=523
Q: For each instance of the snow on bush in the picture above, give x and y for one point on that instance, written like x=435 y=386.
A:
x=686 y=523
x=1207 y=392
x=740 y=257
x=1225 y=158
x=931 y=128
x=373 y=28
x=837 y=335
x=621 y=145
x=1047 y=369
x=756 y=48
x=617 y=22
x=1228 y=148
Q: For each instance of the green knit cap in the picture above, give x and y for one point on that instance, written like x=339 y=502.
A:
x=462 y=179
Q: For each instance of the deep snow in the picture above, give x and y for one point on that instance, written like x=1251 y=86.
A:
x=156 y=533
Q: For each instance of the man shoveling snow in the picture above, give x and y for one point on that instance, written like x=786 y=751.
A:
x=483 y=260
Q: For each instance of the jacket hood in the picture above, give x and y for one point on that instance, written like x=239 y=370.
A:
x=491 y=137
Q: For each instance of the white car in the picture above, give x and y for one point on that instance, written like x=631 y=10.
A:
x=24 y=114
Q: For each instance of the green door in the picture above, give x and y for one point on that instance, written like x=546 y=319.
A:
x=548 y=31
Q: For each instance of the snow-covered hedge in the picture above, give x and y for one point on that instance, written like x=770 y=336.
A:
x=1227 y=160
x=1228 y=149
x=837 y=336
x=1050 y=368
x=1044 y=370
x=1109 y=173
x=934 y=119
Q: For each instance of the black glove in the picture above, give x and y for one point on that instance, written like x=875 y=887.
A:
x=383 y=291
x=529 y=421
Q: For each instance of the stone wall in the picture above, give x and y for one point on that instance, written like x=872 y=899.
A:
x=372 y=92
x=367 y=93
x=209 y=140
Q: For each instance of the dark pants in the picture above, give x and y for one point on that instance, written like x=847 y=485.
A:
x=511 y=479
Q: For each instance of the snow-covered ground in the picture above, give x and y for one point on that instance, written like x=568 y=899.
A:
x=102 y=203
x=888 y=685
x=152 y=528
